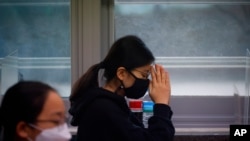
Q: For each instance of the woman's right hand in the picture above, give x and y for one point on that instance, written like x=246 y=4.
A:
x=159 y=87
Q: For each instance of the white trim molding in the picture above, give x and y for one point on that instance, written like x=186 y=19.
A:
x=91 y=33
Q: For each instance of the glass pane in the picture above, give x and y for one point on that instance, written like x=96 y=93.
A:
x=247 y=96
x=38 y=32
x=201 y=43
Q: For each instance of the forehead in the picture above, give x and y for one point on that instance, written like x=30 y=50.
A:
x=144 y=68
x=53 y=106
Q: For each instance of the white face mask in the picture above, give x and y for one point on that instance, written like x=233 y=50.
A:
x=58 y=133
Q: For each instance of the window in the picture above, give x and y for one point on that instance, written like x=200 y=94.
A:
x=203 y=45
x=35 y=43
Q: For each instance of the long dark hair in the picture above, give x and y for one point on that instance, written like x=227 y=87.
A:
x=129 y=52
x=22 y=102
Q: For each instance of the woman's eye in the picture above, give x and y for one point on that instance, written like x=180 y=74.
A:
x=56 y=122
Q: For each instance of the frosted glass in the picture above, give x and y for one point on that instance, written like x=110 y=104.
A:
x=39 y=31
x=201 y=43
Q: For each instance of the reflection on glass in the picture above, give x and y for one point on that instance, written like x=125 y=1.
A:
x=9 y=71
x=40 y=32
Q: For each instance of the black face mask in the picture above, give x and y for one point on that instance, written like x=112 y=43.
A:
x=138 y=89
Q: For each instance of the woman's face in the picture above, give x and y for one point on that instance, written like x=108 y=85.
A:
x=53 y=112
x=52 y=115
x=140 y=72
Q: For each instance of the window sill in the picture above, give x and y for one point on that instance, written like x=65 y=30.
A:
x=186 y=131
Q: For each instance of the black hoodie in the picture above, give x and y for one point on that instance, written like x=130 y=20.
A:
x=105 y=116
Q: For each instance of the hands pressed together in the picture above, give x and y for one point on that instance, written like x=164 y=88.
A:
x=159 y=87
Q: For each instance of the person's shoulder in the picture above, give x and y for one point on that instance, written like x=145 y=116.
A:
x=109 y=107
x=104 y=101
x=109 y=101
x=98 y=90
x=93 y=93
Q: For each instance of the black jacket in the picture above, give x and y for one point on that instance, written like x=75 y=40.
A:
x=105 y=116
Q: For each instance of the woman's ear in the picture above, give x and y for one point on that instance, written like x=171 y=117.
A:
x=121 y=73
x=22 y=129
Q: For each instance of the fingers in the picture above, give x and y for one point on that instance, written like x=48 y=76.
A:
x=150 y=87
x=158 y=73
x=163 y=75
x=167 y=81
x=159 y=88
x=152 y=71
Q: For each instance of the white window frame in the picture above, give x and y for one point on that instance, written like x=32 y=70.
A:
x=91 y=33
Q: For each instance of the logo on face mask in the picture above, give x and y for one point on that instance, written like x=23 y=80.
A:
x=138 y=89
x=58 y=133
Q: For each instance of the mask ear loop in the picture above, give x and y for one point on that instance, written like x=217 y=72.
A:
x=34 y=126
x=132 y=74
x=29 y=139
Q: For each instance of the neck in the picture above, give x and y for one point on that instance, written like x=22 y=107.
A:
x=114 y=86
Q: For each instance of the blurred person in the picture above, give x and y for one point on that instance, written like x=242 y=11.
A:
x=98 y=99
x=33 y=111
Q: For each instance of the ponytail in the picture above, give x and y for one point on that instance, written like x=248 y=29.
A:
x=88 y=80
x=129 y=52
